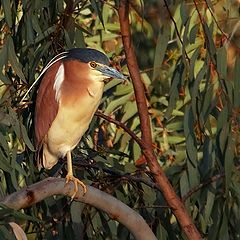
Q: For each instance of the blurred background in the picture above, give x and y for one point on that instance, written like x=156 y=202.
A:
x=188 y=54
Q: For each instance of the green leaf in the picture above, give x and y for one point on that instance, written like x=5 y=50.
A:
x=193 y=64
x=7 y=12
x=223 y=137
x=184 y=184
x=13 y=164
x=236 y=81
x=223 y=232
x=29 y=30
x=222 y=118
x=4 y=163
x=209 y=41
x=26 y=138
x=207 y=104
x=79 y=38
x=98 y=9
x=195 y=90
x=193 y=34
x=3 y=142
x=193 y=174
x=116 y=103
x=183 y=13
x=222 y=62
x=69 y=44
x=174 y=90
x=229 y=160
x=161 y=233
x=130 y=109
x=161 y=47
x=209 y=205
x=136 y=151
x=208 y=160
x=16 y=65
x=3 y=63
x=200 y=75
x=36 y=24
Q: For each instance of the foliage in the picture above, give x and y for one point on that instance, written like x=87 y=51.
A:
x=190 y=67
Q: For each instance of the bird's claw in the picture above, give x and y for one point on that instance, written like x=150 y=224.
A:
x=76 y=181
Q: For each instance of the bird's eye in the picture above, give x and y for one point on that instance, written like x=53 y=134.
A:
x=93 y=64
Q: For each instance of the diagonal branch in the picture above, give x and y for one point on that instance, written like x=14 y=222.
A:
x=160 y=178
x=175 y=27
x=54 y=186
x=122 y=125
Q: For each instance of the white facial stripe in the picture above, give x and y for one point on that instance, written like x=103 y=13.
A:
x=58 y=82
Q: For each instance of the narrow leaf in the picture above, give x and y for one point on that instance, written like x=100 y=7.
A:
x=14 y=60
x=161 y=47
x=7 y=12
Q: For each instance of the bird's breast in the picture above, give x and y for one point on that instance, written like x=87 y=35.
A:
x=73 y=118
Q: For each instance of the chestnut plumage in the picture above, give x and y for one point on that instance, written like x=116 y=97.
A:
x=69 y=94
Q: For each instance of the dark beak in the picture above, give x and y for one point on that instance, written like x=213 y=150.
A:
x=111 y=72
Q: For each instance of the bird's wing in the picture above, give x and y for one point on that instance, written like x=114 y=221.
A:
x=46 y=104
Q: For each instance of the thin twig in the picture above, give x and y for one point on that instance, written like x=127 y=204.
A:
x=212 y=61
x=201 y=185
x=152 y=206
x=121 y=176
x=123 y=126
x=204 y=184
x=215 y=20
x=175 y=27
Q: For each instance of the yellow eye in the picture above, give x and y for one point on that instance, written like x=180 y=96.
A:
x=93 y=64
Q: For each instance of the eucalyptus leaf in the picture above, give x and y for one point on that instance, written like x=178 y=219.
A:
x=16 y=65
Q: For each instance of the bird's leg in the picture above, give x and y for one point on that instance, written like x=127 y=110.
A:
x=70 y=176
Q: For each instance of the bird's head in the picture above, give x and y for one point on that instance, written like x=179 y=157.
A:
x=97 y=64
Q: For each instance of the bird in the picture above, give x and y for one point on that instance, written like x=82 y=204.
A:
x=70 y=92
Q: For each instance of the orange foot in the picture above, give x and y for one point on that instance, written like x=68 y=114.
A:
x=76 y=181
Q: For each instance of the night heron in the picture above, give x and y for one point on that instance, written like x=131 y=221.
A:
x=69 y=94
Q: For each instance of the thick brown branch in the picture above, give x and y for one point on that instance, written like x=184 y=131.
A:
x=161 y=180
x=135 y=75
x=94 y=197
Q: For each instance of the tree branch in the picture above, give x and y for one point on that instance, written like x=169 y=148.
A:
x=122 y=125
x=175 y=27
x=121 y=176
x=161 y=180
x=205 y=183
x=56 y=186
x=201 y=185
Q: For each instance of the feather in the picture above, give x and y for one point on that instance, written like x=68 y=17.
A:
x=46 y=106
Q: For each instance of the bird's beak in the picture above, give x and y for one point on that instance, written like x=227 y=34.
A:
x=111 y=72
